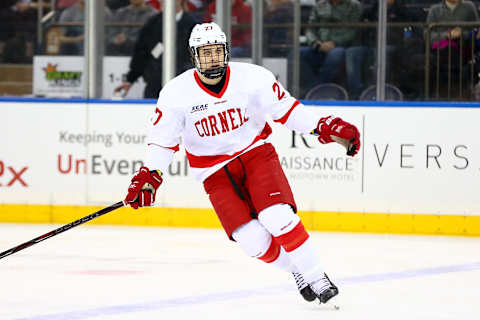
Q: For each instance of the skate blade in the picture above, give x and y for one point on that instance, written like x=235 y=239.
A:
x=331 y=304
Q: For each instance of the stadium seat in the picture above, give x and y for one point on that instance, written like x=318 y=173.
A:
x=327 y=91
x=391 y=93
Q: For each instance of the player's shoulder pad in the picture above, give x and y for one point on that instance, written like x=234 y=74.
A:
x=174 y=91
x=251 y=71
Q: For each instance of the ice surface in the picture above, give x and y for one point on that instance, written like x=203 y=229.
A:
x=99 y=272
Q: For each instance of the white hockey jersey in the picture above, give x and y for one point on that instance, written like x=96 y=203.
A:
x=215 y=128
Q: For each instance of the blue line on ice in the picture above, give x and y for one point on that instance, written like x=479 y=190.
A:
x=238 y=294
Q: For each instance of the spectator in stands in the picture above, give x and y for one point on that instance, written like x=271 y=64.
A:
x=278 y=39
x=325 y=55
x=443 y=37
x=196 y=5
x=450 y=11
x=60 y=6
x=362 y=55
x=63 y=4
x=7 y=3
x=241 y=27
x=120 y=40
x=147 y=54
x=114 y=5
x=18 y=31
x=197 y=8
x=73 y=36
x=155 y=4
x=5 y=27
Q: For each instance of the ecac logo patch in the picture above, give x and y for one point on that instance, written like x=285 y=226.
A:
x=201 y=107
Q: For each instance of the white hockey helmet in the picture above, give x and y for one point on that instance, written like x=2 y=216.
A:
x=207 y=34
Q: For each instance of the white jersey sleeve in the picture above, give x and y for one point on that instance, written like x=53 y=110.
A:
x=158 y=158
x=166 y=128
x=277 y=101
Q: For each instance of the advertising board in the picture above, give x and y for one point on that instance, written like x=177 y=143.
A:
x=413 y=160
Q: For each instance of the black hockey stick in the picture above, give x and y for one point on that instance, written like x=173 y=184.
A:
x=62 y=229
x=351 y=148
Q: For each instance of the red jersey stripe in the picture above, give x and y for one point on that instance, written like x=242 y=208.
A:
x=210 y=161
x=220 y=94
x=284 y=119
x=174 y=148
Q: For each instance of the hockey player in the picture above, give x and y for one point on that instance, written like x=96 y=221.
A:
x=219 y=109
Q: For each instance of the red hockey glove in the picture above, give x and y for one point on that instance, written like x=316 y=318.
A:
x=329 y=129
x=142 y=190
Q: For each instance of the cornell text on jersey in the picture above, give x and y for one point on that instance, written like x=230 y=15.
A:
x=222 y=122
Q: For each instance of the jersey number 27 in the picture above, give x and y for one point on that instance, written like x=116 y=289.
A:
x=157 y=111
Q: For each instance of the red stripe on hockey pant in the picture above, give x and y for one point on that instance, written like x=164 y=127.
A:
x=272 y=253
x=294 y=238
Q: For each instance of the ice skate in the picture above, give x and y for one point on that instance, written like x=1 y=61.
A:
x=324 y=289
x=304 y=287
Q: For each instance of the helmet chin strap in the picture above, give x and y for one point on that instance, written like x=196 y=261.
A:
x=215 y=73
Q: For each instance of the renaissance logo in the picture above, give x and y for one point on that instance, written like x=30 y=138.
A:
x=62 y=78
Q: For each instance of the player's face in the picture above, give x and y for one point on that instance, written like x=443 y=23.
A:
x=211 y=56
